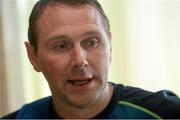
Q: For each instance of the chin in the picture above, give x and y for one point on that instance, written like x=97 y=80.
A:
x=83 y=101
x=83 y=105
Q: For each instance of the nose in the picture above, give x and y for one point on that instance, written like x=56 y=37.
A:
x=79 y=58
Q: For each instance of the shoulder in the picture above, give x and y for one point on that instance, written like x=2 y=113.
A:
x=36 y=109
x=164 y=103
x=11 y=115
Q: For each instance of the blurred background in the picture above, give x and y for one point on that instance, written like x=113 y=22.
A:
x=145 y=44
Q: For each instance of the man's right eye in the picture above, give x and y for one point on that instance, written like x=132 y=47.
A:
x=62 y=47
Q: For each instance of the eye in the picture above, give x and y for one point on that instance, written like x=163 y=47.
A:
x=91 y=42
x=62 y=46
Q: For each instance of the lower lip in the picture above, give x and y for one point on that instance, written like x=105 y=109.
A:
x=84 y=85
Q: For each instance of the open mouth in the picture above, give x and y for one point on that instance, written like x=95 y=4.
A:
x=80 y=82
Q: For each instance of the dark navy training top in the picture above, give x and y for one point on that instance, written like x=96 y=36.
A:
x=126 y=102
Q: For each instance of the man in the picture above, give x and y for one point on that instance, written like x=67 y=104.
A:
x=70 y=43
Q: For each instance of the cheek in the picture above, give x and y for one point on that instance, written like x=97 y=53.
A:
x=101 y=62
x=55 y=72
x=54 y=68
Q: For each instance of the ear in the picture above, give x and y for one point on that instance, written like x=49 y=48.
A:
x=32 y=56
x=110 y=42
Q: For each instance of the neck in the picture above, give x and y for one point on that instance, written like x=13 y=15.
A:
x=86 y=112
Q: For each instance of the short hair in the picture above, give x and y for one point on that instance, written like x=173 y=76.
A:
x=40 y=6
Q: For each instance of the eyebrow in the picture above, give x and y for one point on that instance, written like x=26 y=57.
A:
x=59 y=36
x=63 y=36
x=93 y=33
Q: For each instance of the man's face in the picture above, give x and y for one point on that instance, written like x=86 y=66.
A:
x=73 y=53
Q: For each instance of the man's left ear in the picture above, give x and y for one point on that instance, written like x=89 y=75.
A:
x=110 y=41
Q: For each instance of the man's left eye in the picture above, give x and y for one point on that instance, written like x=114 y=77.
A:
x=92 y=42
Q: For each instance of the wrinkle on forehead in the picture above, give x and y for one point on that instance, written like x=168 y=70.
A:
x=68 y=15
x=56 y=17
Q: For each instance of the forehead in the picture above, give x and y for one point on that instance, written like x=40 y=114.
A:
x=62 y=14
x=67 y=20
